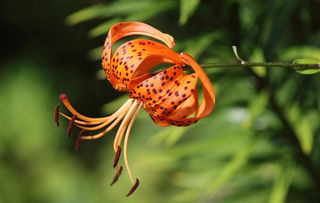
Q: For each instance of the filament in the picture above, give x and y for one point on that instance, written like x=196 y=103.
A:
x=96 y=136
x=72 y=110
x=111 y=118
x=93 y=124
x=124 y=125
x=126 y=142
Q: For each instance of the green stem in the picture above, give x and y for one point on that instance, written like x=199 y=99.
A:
x=265 y=64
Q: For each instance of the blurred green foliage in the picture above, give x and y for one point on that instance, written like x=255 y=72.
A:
x=260 y=145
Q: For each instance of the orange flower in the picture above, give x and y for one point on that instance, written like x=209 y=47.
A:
x=170 y=96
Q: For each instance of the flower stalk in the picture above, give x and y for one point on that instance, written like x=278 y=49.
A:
x=245 y=64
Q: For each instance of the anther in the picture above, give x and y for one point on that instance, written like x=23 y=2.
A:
x=134 y=187
x=116 y=157
x=116 y=177
x=78 y=141
x=56 y=114
x=69 y=129
x=63 y=96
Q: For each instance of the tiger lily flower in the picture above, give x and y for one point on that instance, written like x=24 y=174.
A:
x=170 y=96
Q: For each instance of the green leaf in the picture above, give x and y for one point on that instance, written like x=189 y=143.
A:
x=115 y=104
x=308 y=70
x=101 y=75
x=103 y=27
x=95 y=54
x=150 y=10
x=302 y=127
x=153 y=10
x=281 y=185
x=169 y=136
x=256 y=108
x=85 y=14
x=305 y=55
x=238 y=160
x=300 y=52
x=258 y=56
x=187 y=8
x=305 y=134
x=197 y=45
x=109 y=10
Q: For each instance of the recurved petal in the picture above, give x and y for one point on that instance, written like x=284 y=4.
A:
x=183 y=115
x=179 y=93
x=136 y=58
x=185 y=109
x=124 y=29
x=183 y=88
x=208 y=102
x=160 y=121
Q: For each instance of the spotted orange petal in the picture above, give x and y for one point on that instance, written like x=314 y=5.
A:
x=181 y=116
x=208 y=102
x=124 y=29
x=154 y=90
x=166 y=92
x=135 y=58
x=186 y=108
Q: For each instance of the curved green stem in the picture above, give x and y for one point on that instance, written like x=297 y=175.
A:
x=243 y=63
x=265 y=64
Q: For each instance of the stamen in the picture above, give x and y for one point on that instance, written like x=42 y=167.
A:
x=126 y=139
x=96 y=136
x=117 y=156
x=69 y=129
x=56 y=114
x=134 y=187
x=64 y=99
x=97 y=127
x=78 y=141
x=119 y=112
x=124 y=125
x=81 y=122
x=116 y=177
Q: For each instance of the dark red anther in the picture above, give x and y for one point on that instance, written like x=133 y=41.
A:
x=116 y=177
x=78 y=141
x=56 y=114
x=134 y=187
x=63 y=97
x=69 y=129
x=116 y=157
